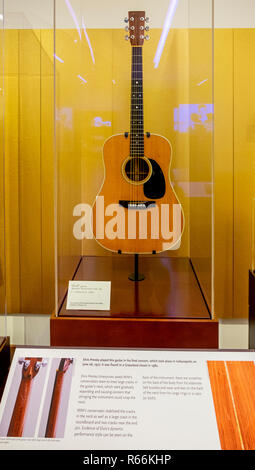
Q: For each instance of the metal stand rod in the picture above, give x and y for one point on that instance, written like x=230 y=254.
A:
x=136 y=276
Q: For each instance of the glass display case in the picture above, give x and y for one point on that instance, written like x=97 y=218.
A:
x=69 y=73
x=133 y=173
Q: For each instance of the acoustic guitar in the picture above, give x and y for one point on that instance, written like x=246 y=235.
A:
x=137 y=210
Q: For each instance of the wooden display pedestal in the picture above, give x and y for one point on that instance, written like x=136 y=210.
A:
x=165 y=310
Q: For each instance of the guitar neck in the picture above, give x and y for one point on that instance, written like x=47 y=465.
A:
x=136 y=110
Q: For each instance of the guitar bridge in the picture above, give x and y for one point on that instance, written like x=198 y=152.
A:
x=137 y=205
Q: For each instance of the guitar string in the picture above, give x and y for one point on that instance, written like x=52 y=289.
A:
x=134 y=113
x=138 y=138
x=131 y=133
x=131 y=118
x=137 y=144
x=137 y=134
x=134 y=152
x=135 y=127
x=136 y=124
x=133 y=145
x=130 y=168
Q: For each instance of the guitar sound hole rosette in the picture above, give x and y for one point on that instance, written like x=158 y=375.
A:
x=136 y=170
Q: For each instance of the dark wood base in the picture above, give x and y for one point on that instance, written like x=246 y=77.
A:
x=165 y=310
x=133 y=333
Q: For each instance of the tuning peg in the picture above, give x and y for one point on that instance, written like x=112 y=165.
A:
x=127 y=37
x=44 y=363
x=146 y=28
x=126 y=28
x=147 y=19
x=24 y=361
x=147 y=37
x=141 y=36
x=39 y=364
x=126 y=19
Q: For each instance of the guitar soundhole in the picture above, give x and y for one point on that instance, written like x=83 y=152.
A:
x=137 y=169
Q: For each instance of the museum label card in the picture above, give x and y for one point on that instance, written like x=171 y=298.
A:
x=89 y=295
x=128 y=399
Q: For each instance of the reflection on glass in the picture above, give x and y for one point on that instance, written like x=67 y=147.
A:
x=88 y=41
x=82 y=78
x=73 y=15
x=188 y=116
x=98 y=122
x=167 y=24
x=58 y=58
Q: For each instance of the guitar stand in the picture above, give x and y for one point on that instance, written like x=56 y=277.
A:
x=136 y=276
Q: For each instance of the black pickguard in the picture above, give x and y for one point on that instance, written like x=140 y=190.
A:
x=155 y=187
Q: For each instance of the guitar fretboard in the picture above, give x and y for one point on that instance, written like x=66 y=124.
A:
x=136 y=112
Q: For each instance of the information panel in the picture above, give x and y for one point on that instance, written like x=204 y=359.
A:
x=128 y=399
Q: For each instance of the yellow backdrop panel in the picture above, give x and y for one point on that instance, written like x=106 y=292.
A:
x=244 y=162
x=200 y=156
x=29 y=175
x=2 y=221
x=223 y=170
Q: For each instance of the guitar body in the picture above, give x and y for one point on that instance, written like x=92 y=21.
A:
x=119 y=227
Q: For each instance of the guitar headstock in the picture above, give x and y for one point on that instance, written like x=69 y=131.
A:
x=64 y=364
x=31 y=366
x=137 y=27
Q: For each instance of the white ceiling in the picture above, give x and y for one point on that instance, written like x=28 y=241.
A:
x=110 y=13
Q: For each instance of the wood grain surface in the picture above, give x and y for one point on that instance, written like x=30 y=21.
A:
x=232 y=384
x=242 y=381
x=229 y=432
